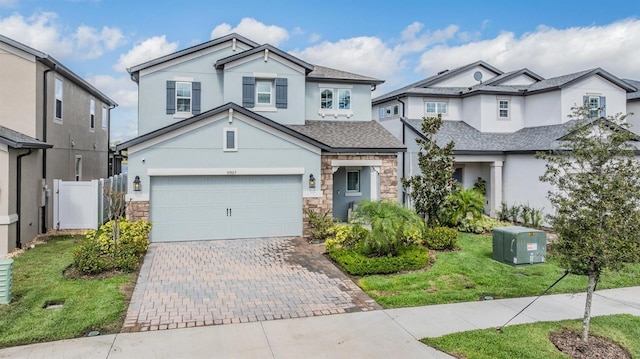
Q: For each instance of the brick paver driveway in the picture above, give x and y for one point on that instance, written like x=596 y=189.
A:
x=186 y=284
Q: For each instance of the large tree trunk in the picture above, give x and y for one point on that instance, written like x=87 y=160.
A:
x=593 y=281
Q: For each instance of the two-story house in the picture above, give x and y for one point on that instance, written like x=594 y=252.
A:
x=53 y=125
x=236 y=139
x=498 y=122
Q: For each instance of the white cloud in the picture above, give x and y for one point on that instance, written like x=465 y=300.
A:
x=91 y=44
x=38 y=31
x=315 y=37
x=362 y=55
x=548 y=51
x=253 y=30
x=148 y=49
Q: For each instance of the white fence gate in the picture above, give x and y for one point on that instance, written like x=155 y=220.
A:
x=81 y=205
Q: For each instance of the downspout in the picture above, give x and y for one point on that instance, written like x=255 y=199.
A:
x=404 y=154
x=45 y=104
x=111 y=161
x=19 y=195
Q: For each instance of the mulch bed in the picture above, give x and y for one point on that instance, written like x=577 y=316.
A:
x=571 y=343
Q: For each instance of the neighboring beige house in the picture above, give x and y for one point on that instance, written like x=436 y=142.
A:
x=53 y=125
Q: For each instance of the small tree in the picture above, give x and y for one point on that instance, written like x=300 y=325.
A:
x=596 y=199
x=116 y=205
x=430 y=189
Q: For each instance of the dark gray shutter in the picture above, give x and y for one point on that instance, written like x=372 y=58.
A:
x=603 y=106
x=248 y=92
x=195 y=93
x=171 y=97
x=281 y=93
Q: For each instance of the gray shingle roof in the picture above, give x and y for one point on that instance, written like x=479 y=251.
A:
x=15 y=139
x=220 y=63
x=509 y=75
x=468 y=139
x=351 y=135
x=636 y=94
x=321 y=73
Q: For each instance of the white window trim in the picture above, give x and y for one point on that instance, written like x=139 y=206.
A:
x=335 y=102
x=271 y=93
x=508 y=117
x=235 y=138
x=594 y=112
x=354 y=193
x=55 y=99
x=381 y=112
x=436 y=113
x=178 y=113
x=105 y=116
x=77 y=172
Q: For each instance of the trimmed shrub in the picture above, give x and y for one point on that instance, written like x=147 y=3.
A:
x=441 y=238
x=99 y=252
x=355 y=263
x=345 y=236
x=481 y=225
x=320 y=224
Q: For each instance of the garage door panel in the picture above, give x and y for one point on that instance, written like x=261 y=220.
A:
x=220 y=207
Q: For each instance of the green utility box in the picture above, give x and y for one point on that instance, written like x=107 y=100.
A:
x=6 y=274
x=519 y=245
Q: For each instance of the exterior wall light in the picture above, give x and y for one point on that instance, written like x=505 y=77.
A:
x=136 y=184
x=312 y=181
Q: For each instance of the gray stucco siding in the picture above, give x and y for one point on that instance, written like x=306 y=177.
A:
x=258 y=68
x=522 y=185
x=202 y=147
x=360 y=101
x=152 y=89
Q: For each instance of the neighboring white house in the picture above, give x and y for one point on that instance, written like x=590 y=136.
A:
x=236 y=139
x=498 y=122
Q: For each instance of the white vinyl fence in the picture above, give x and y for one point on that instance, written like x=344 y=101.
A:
x=81 y=205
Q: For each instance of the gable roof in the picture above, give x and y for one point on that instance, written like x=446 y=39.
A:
x=513 y=74
x=440 y=76
x=372 y=138
x=266 y=47
x=321 y=73
x=15 y=139
x=136 y=69
x=633 y=96
x=566 y=80
x=347 y=136
x=60 y=68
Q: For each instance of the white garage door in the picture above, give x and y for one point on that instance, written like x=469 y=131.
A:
x=224 y=207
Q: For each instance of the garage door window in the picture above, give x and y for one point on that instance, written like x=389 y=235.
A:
x=230 y=139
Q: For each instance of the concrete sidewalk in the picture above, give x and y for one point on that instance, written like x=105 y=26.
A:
x=375 y=334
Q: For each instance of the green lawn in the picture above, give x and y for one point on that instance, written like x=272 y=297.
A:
x=89 y=305
x=470 y=274
x=532 y=340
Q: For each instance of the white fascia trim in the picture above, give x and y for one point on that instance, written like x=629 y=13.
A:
x=312 y=194
x=12 y=218
x=355 y=163
x=260 y=56
x=186 y=58
x=183 y=79
x=4 y=148
x=15 y=51
x=335 y=86
x=479 y=158
x=137 y=197
x=225 y=171
x=265 y=75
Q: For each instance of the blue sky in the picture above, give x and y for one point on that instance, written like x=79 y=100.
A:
x=399 y=42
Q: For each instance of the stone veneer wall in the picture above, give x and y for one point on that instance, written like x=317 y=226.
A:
x=138 y=210
x=388 y=182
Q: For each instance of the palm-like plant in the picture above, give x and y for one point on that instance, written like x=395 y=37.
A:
x=389 y=222
x=463 y=203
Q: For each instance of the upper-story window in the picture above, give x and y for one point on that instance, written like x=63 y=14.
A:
x=396 y=110
x=327 y=96
x=434 y=108
x=263 y=93
x=381 y=112
x=105 y=118
x=596 y=106
x=183 y=96
x=503 y=109
x=92 y=114
x=58 y=103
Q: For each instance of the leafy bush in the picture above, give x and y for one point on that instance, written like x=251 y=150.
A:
x=345 y=236
x=462 y=204
x=320 y=224
x=523 y=214
x=391 y=225
x=441 y=238
x=99 y=252
x=481 y=225
x=355 y=263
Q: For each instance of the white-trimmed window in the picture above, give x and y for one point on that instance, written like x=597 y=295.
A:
x=381 y=112
x=344 y=99
x=230 y=139
x=388 y=112
x=595 y=104
x=92 y=114
x=105 y=119
x=183 y=97
x=503 y=109
x=327 y=99
x=264 y=92
x=58 y=102
x=435 y=108
x=353 y=181
x=396 y=110
x=78 y=168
